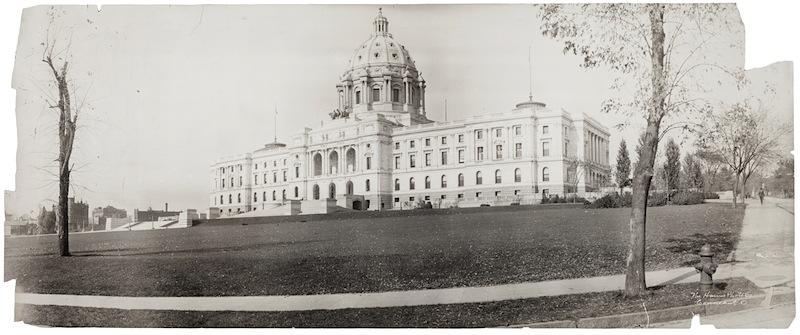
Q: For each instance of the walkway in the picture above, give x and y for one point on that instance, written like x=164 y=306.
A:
x=764 y=255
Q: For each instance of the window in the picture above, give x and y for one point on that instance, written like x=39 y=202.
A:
x=274 y=177
x=427 y=182
x=498 y=132
x=545 y=149
x=223 y=183
x=411 y=144
x=221 y=200
x=315 y=192
x=444 y=139
x=396 y=162
x=566 y=145
x=460 y=138
x=273 y=196
x=427 y=142
x=284 y=162
x=545 y=130
x=284 y=175
x=444 y=157
x=518 y=150
x=477 y=194
x=517 y=130
x=395 y=95
x=498 y=177
x=240 y=180
x=231 y=181
x=255 y=197
x=264 y=196
x=410 y=198
x=460 y=196
x=517 y=175
x=460 y=180
x=296 y=192
x=478 y=178
x=412 y=161
x=369 y=163
x=397 y=184
x=397 y=145
x=496 y=193
x=366 y=185
x=411 y=185
x=396 y=199
x=283 y=194
x=230 y=198
x=479 y=154
x=265 y=178
x=358 y=97
x=239 y=198
x=545 y=174
x=444 y=181
x=498 y=151
x=460 y=156
x=427 y=159
x=479 y=134
x=376 y=94
x=297 y=172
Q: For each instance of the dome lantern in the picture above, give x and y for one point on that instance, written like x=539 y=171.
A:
x=381 y=24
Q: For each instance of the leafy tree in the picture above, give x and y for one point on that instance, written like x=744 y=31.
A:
x=657 y=49
x=782 y=178
x=672 y=166
x=693 y=172
x=622 y=174
x=46 y=222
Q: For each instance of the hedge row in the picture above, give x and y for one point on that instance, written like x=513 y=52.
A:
x=655 y=199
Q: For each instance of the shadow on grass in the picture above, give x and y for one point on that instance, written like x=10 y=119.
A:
x=121 y=252
x=721 y=244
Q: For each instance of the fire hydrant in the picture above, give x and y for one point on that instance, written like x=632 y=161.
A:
x=706 y=267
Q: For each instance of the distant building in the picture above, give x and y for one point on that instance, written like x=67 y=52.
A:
x=101 y=214
x=20 y=225
x=78 y=215
x=152 y=215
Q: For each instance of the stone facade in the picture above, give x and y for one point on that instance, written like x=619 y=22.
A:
x=381 y=147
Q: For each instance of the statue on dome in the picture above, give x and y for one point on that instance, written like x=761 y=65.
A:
x=339 y=114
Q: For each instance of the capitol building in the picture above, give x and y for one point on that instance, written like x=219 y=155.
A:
x=380 y=151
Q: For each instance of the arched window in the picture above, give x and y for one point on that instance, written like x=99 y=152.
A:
x=517 y=175
x=283 y=194
x=366 y=185
x=317 y=165
x=498 y=177
x=315 y=192
x=274 y=196
x=411 y=183
x=332 y=191
x=333 y=162
x=255 y=196
x=358 y=97
x=397 y=184
x=545 y=174
x=348 y=188
x=350 y=160
x=478 y=178
x=296 y=192
x=444 y=181
x=460 y=180
x=427 y=182
x=239 y=198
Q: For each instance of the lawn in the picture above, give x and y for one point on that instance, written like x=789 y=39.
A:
x=368 y=254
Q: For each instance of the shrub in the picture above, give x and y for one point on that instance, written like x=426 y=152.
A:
x=606 y=201
x=657 y=199
x=545 y=200
x=687 y=198
x=711 y=195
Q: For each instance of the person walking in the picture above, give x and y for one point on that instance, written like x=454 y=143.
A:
x=761 y=195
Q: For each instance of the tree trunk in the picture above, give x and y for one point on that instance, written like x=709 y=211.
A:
x=735 y=188
x=62 y=214
x=635 y=284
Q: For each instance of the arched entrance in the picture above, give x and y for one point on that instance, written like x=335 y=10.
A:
x=332 y=191
x=349 y=188
x=357 y=205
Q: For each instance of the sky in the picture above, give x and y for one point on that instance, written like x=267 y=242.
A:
x=169 y=89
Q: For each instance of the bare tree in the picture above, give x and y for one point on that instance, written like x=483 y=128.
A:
x=576 y=170
x=658 y=48
x=744 y=139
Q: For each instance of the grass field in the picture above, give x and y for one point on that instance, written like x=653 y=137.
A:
x=367 y=254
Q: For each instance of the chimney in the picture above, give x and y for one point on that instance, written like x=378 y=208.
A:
x=166 y=207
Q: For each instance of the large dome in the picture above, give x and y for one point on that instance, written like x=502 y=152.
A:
x=381 y=49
